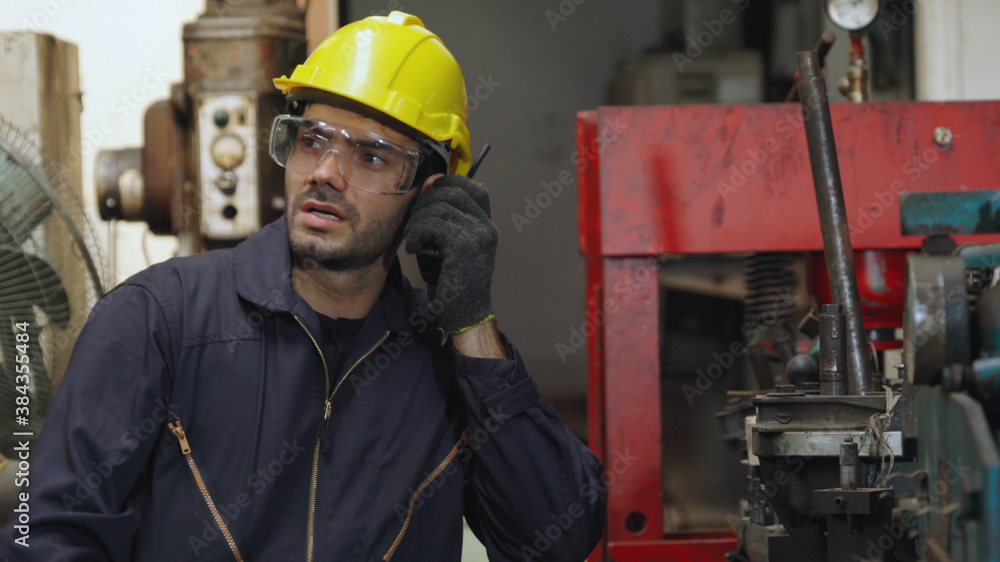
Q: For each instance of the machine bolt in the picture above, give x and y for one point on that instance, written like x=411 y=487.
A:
x=783 y=416
x=838 y=501
x=942 y=136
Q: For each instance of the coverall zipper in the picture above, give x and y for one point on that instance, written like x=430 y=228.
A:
x=416 y=493
x=311 y=523
x=178 y=430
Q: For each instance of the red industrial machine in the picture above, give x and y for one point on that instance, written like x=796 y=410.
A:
x=660 y=180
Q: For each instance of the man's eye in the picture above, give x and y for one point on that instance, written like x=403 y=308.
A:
x=310 y=142
x=373 y=159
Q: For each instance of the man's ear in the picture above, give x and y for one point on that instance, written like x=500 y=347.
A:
x=429 y=182
x=427 y=185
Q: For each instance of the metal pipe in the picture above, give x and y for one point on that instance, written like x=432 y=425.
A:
x=832 y=351
x=833 y=217
x=822 y=47
x=849 y=465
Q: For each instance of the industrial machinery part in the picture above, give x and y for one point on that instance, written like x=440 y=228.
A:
x=854 y=86
x=937 y=323
x=769 y=278
x=833 y=216
x=204 y=173
x=832 y=351
x=688 y=197
x=822 y=48
x=767 y=312
x=945 y=213
x=852 y=15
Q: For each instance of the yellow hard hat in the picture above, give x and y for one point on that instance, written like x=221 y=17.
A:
x=396 y=67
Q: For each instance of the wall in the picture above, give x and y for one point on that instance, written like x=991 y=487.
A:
x=956 y=56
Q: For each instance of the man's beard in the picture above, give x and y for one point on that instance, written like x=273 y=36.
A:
x=365 y=243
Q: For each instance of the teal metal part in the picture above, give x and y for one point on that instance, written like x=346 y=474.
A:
x=959 y=511
x=957 y=212
x=980 y=255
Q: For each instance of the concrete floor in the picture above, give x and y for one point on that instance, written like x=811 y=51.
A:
x=472 y=549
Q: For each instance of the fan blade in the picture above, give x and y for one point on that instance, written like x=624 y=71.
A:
x=29 y=280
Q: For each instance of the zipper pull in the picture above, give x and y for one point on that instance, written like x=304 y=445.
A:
x=178 y=432
x=326 y=446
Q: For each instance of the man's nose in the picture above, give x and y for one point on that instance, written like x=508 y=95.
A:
x=328 y=171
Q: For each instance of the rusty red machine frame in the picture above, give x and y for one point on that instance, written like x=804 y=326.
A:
x=657 y=180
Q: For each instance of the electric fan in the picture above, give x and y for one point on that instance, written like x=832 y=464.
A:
x=50 y=277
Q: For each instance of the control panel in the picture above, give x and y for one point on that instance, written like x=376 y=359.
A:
x=228 y=165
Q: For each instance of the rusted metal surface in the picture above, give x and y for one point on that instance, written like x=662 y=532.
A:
x=720 y=179
x=590 y=244
x=163 y=166
x=237 y=51
x=707 y=546
x=823 y=45
x=632 y=402
x=624 y=412
x=832 y=351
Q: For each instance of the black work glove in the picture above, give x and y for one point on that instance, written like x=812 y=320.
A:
x=454 y=216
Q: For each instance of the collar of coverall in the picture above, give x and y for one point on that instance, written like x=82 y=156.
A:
x=270 y=288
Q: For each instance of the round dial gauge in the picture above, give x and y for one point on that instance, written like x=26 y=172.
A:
x=852 y=15
x=228 y=151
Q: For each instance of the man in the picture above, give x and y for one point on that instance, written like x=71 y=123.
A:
x=293 y=398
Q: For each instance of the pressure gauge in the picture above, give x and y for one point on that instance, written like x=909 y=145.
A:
x=228 y=151
x=852 y=15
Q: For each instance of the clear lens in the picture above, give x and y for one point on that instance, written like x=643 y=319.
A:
x=365 y=160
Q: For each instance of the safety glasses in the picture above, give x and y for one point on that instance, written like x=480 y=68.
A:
x=366 y=161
